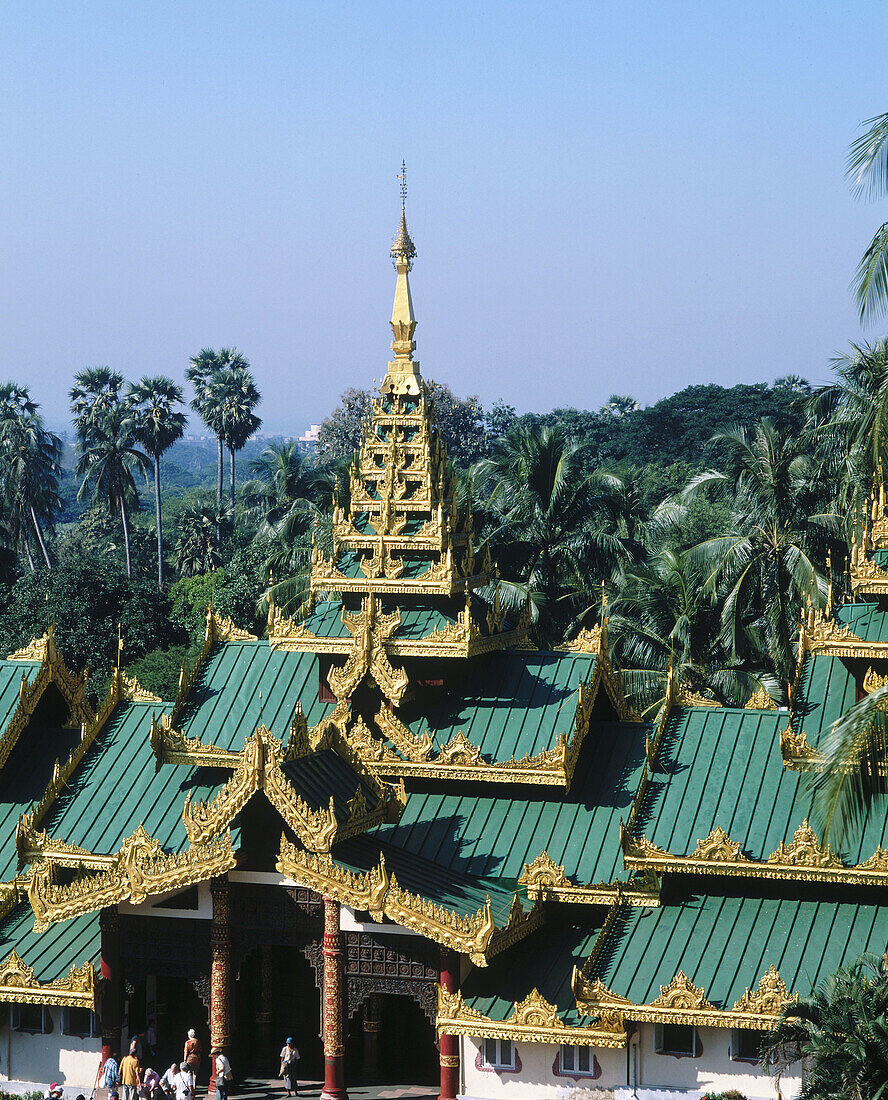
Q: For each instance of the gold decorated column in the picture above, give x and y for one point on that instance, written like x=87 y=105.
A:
x=334 y=1047
x=220 y=975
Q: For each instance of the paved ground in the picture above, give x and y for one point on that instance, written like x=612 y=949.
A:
x=256 y=1089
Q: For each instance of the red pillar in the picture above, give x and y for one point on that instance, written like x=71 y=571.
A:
x=220 y=974
x=112 y=987
x=334 y=1050
x=448 y=1052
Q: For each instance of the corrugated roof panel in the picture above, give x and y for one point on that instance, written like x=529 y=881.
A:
x=54 y=952
x=723 y=766
x=494 y=835
x=315 y=778
x=865 y=619
x=725 y=944
x=826 y=690
x=11 y=673
x=224 y=707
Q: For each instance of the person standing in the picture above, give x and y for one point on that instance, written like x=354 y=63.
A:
x=130 y=1076
x=224 y=1075
x=184 y=1082
x=193 y=1052
x=289 y=1058
x=111 y=1073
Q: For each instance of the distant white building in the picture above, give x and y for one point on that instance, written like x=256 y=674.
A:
x=310 y=437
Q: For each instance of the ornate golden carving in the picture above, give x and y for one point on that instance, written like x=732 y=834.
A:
x=686 y=697
x=379 y=893
x=18 y=985
x=132 y=690
x=460 y=750
x=171 y=747
x=533 y=1020
x=415 y=747
x=682 y=994
x=543 y=874
x=872 y=681
x=35 y=650
x=224 y=630
x=718 y=847
x=769 y=998
x=587 y=641
x=760 y=700
x=794 y=748
x=369 y=629
x=804 y=850
x=140 y=869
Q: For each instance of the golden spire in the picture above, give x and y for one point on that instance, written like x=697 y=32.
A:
x=403 y=373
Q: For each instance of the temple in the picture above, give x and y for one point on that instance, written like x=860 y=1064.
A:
x=430 y=852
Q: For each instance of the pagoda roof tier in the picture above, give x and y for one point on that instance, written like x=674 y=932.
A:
x=722 y=961
x=570 y=843
x=526 y=995
x=476 y=916
x=853 y=630
x=721 y=802
x=55 y=968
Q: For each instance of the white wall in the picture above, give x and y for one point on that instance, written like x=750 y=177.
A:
x=659 y=1076
x=536 y=1079
x=35 y=1061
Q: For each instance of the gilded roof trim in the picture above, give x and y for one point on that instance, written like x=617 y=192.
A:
x=217 y=629
x=141 y=869
x=803 y=859
x=19 y=986
x=545 y=878
x=379 y=893
x=532 y=1020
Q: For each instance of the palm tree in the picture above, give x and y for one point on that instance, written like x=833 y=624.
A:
x=867 y=169
x=555 y=527
x=96 y=390
x=620 y=405
x=108 y=459
x=208 y=374
x=197 y=549
x=157 y=424
x=841 y=1030
x=762 y=570
x=233 y=394
x=30 y=468
x=283 y=478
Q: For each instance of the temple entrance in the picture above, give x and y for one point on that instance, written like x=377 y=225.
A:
x=275 y=996
x=391 y=1041
x=174 y=1008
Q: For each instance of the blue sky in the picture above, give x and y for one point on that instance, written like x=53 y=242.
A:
x=628 y=197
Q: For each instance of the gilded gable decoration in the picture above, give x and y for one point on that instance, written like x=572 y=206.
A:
x=872 y=681
x=18 y=985
x=804 y=850
x=171 y=747
x=770 y=996
x=132 y=690
x=760 y=700
x=719 y=847
x=797 y=753
x=369 y=629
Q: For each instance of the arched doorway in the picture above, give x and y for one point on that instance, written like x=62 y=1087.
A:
x=276 y=996
x=391 y=1041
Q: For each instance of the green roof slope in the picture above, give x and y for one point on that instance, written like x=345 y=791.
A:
x=323 y=774
x=865 y=619
x=543 y=961
x=54 y=952
x=11 y=674
x=511 y=703
x=224 y=707
x=115 y=788
x=826 y=690
x=493 y=835
x=723 y=767
x=725 y=944
x=456 y=890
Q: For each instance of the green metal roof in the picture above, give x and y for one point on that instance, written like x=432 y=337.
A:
x=543 y=961
x=224 y=707
x=725 y=944
x=54 y=952
x=456 y=890
x=880 y=557
x=511 y=703
x=722 y=766
x=115 y=788
x=826 y=690
x=322 y=774
x=11 y=673
x=494 y=834
x=23 y=780
x=866 y=620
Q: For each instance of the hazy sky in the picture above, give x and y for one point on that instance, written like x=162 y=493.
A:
x=605 y=197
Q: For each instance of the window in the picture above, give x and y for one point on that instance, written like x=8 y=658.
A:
x=325 y=693
x=579 y=1061
x=745 y=1044
x=33 y=1018
x=499 y=1054
x=80 y=1021
x=676 y=1039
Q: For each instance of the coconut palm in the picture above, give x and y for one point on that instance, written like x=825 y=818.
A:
x=96 y=390
x=841 y=1031
x=763 y=571
x=554 y=527
x=867 y=170
x=30 y=468
x=108 y=460
x=157 y=424
x=197 y=549
x=233 y=395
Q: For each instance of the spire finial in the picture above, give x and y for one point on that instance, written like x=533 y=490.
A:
x=403 y=250
x=403 y=178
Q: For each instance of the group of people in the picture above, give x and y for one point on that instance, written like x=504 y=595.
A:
x=180 y=1080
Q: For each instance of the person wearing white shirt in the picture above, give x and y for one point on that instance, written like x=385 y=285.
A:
x=184 y=1082
x=224 y=1076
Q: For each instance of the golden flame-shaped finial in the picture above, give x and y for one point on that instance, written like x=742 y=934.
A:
x=403 y=249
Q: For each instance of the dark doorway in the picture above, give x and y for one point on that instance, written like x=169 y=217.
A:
x=179 y=1008
x=406 y=1048
x=276 y=997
